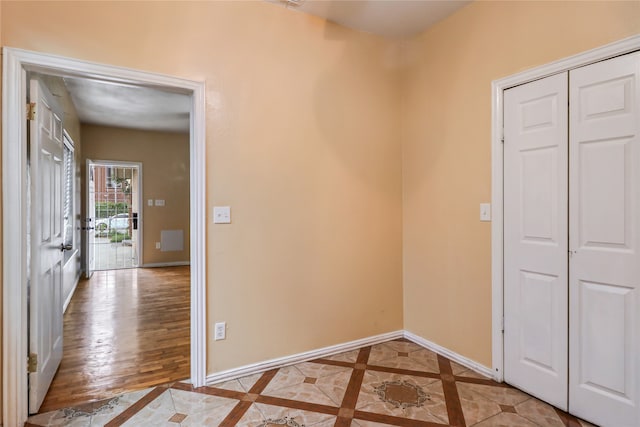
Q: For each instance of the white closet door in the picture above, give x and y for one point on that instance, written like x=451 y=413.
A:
x=535 y=238
x=604 y=380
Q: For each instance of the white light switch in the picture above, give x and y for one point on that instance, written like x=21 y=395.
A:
x=159 y=202
x=150 y=202
x=485 y=211
x=221 y=215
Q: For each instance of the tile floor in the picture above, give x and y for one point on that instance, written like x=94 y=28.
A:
x=395 y=383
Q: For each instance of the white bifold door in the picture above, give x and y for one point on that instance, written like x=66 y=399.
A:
x=572 y=240
x=535 y=225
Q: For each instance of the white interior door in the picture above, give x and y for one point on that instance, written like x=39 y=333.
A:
x=90 y=222
x=46 y=168
x=535 y=238
x=604 y=209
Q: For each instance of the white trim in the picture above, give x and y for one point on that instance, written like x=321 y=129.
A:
x=198 y=231
x=451 y=355
x=280 y=362
x=73 y=291
x=14 y=271
x=165 y=264
x=621 y=47
x=14 y=344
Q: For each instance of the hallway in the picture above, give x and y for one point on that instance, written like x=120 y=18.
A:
x=124 y=330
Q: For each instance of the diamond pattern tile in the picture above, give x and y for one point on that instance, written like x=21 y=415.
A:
x=397 y=383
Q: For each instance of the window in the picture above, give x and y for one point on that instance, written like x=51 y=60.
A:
x=69 y=169
x=112 y=180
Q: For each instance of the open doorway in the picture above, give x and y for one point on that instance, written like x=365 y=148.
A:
x=17 y=232
x=114 y=208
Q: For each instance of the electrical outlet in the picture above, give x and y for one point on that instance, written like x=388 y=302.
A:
x=220 y=331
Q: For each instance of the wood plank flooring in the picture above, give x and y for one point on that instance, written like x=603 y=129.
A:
x=124 y=330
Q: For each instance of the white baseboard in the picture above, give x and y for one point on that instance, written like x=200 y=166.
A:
x=166 y=264
x=452 y=355
x=280 y=362
x=256 y=368
x=68 y=300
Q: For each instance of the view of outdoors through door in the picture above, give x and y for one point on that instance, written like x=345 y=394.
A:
x=115 y=198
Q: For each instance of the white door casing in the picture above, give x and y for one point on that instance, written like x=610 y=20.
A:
x=16 y=63
x=90 y=221
x=604 y=206
x=535 y=238
x=47 y=224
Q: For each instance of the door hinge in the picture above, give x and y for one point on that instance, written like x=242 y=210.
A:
x=31 y=111
x=32 y=363
x=502 y=325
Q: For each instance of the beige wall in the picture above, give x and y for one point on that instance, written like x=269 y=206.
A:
x=446 y=149
x=302 y=143
x=165 y=175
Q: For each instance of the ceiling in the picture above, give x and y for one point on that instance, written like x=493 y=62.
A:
x=120 y=105
x=388 y=18
x=128 y=106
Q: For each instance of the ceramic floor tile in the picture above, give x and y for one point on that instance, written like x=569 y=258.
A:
x=302 y=392
x=186 y=402
x=472 y=374
x=475 y=407
x=307 y=418
x=539 y=413
x=380 y=353
x=432 y=409
x=349 y=356
x=373 y=379
x=417 y=360
x=252 y=418
x=249 y=381
x=499 y=395
x=506 y=419
x=406 y=395
x=458 y=369
x=334 y=386
x=326 y=423
x=317 y=370
x=107 y=413
x=403 y=346
x=361 y=423
x=286 y=377
x=156 y=413
x=230 y=385
x=210 y=417
x=63 y=417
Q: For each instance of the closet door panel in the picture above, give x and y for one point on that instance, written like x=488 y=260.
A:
x=535 y=227
x=604 y=269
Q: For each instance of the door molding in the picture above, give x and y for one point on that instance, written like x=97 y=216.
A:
x=16 y=63
x=498 y=87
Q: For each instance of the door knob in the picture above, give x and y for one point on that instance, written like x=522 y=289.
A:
x=64 y=247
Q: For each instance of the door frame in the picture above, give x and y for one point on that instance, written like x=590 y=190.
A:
x=16 y=63
x=621 y=47
x=125 y=163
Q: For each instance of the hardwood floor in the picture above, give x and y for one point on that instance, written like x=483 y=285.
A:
x=124 y=330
